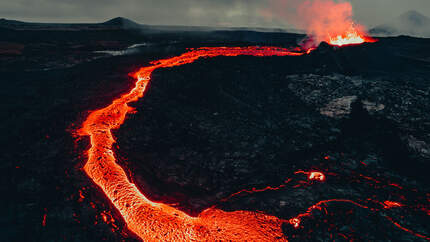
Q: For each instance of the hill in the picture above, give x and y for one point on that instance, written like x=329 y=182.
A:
x=122 y=23
x=411 y=23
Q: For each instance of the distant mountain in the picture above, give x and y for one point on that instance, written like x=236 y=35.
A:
x=122 y=23
x=7 y=21
x=411 y=23
x=12 y=23
x=115 y=23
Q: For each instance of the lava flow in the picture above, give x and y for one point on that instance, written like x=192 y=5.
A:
x=153 y=221
x=157 y=221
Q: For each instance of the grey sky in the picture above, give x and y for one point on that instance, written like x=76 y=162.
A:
x=188 y=12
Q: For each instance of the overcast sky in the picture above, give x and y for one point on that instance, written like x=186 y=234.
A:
x=188 y=12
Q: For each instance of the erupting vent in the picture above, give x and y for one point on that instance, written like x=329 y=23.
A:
x=351 y=37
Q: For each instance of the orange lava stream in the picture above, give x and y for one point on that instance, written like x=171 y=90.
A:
x=157 y=221
x=255 y=190
x=406 y=229
x=297 y=220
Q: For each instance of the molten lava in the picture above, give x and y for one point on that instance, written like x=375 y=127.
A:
x=350 y=37
x=315 y=175
x=153 y=221
x=390 y=204
x=295 y=222
x=157 y=221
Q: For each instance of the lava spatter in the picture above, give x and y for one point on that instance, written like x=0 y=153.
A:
x=313 y=175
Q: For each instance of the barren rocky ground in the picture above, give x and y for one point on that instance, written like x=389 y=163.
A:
x=206 y=130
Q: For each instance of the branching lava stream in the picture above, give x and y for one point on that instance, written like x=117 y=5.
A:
x=152 y=221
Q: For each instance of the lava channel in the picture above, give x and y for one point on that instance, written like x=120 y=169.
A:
x=157 y=221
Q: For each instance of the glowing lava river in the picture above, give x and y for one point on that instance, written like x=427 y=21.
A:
x=156 y=221
x=152 y=221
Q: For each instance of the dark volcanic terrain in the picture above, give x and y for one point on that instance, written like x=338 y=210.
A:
x=206 y=130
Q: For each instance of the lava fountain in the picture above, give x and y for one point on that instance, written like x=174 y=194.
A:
x=323 y=20
x=353 y=36
x=332 y=22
